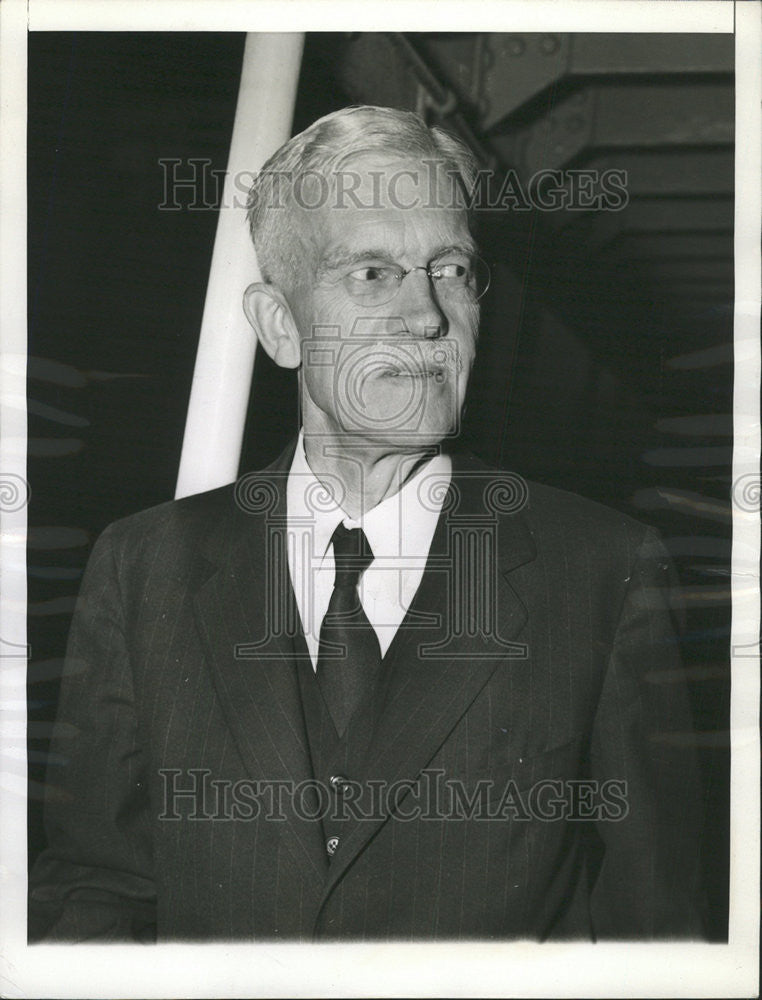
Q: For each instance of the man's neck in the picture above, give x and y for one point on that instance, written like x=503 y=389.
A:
x=364 y=475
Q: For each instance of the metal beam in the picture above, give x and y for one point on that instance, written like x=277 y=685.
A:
x=680 y=172
x=617 y=116
x=655 y=216
x=640 y=54
x=386 y=68
x=504 y=72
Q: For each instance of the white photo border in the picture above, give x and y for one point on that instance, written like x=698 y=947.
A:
x=511 y=969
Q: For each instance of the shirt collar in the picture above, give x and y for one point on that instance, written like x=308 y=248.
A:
x=401 y=525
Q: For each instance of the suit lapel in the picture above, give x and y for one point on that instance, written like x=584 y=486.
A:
x=438 y=663
x=245 y=614
x=448 y=645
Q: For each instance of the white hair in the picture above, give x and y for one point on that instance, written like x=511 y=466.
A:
x=318 y=152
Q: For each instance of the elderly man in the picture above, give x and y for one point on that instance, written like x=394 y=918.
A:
x=375 y=690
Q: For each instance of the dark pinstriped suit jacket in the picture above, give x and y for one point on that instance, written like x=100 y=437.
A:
x=564 y=666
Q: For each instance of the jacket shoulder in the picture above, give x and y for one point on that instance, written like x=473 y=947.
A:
x=190 y=516
x=548 y=503
x=550 y=512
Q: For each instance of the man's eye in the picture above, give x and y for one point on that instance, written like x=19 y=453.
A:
x=449 y=270
x=370 y=274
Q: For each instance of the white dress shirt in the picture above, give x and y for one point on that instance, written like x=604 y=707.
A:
x=399 y=529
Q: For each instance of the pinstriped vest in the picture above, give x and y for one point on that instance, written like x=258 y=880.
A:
x=338 y=763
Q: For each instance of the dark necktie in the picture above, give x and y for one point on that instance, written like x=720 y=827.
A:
x=349 y=655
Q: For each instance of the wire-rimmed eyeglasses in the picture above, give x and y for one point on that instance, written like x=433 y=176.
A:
x=453 y=274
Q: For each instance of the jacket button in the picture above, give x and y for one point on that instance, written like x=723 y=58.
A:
x=338 y=782
x=331 y=846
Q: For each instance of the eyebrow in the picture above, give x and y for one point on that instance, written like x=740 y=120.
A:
x=342 y=256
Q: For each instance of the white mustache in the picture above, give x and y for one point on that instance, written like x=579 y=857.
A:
x=413 y=358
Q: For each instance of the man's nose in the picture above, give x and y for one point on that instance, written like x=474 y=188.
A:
x=418 y=305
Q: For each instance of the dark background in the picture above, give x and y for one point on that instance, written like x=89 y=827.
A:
x=605 y=364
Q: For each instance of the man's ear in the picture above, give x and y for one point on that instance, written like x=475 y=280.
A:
x=270 y=316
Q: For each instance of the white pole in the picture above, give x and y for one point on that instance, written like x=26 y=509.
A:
x=225 y=359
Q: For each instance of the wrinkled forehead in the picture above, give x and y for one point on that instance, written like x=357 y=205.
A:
x=393 y=202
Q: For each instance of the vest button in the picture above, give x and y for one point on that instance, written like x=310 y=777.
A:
x=331 y=846
x=338 y=782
